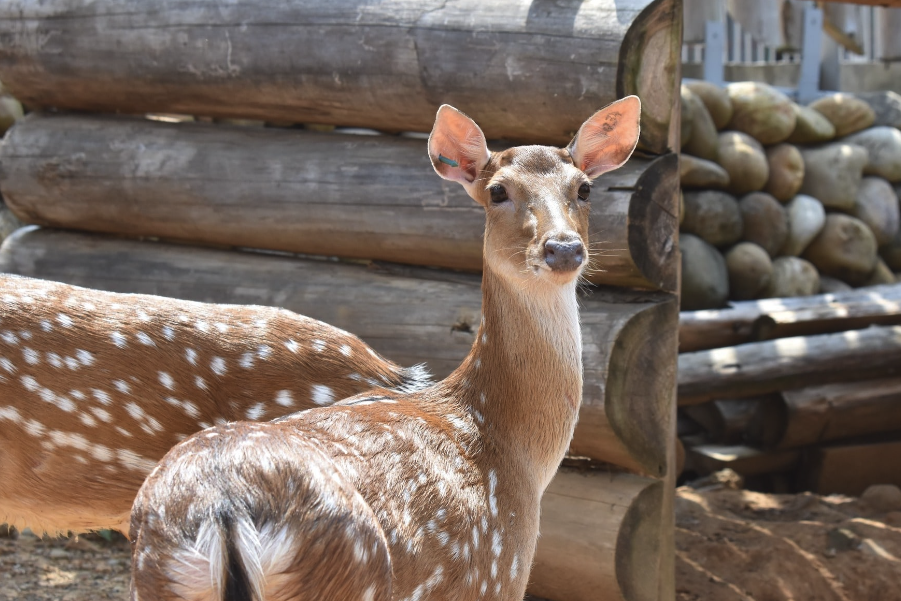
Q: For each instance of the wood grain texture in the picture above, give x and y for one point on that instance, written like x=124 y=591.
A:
x=524 y=70
x=827 y=413
x=783 y=317
x=604 y=527
x=761 y=367
x=850 y=469
x=409 y=314
x=367 y=197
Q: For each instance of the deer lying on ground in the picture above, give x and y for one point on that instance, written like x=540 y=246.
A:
x=96 y=387
x=426 y=495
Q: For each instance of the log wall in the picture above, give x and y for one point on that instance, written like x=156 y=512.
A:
x=523 y=70
x=367 y=197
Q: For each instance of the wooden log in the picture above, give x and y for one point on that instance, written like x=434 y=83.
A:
x=850 y=469
x=409 y=314
x=725 y=421
x=606 y=528
x=761 y=367
x=745 y=460
x=522 y=71
x=369 y=197
x=783 y=317
x=818 y=414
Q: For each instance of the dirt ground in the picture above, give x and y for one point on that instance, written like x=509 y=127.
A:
x=730 y=545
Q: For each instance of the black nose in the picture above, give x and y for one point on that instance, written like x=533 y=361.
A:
x=563 y=255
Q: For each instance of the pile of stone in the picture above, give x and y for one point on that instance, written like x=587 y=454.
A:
x=785 y=200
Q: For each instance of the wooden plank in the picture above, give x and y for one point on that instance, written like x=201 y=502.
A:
x=850 y=469
x=745 y=460
x=409 y=314
x=725 y=421
x=763 y=367
x=600 y=538
x=522 y=70
x=368 y=197
x=830 y=412
x=783 y=317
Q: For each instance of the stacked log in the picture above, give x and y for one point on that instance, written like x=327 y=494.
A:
x=816 y=189
x=797 y=394
x=240 y=168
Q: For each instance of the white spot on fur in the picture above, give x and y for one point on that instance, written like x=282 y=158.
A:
x=199 y=382
x=492 y=492
x=7 y=365
x=166 y=380
x=144 y=339
x=246 y=360
x=222 y=328
x=25 y=334
x=191 y=356
x=292 y=346
x=118 y=339
x=284 y=398
x=346 y=350
x=168 y=333
x=84 y=357
x=9 y=338
x=264 y=351
x=255 y=412
x=218 y=366
x=55 y=360
x=319 y=345
x=322 y=394
x=202 y=325
x=102 y=414
x=31 y=356
x=514 y=567
x=46 y=325
x=122 y=386
x=29 y=383
x=64 y=320
x=102 y=397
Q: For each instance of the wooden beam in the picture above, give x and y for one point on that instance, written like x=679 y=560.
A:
x=763 y=367
x=522 y=70
x=783 y=317
x=409 y=314
x=365 y=197
x=850 y=469
x=607 y=529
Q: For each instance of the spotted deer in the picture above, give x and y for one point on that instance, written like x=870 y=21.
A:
x=425 y=495
x=96 y=387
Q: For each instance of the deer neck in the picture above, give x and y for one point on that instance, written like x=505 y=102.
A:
x=522 y=381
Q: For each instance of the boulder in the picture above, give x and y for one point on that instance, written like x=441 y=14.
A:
x=686 y=122
x=831 y=285
x=703 y=140
x=811 y=127
x=806 y=218
x=845 y=249
x=764 y=222
x=10 y=112
x=832 y=173
x=883 y=145
x=882 y=497
x=847 y=113
x=880 y=275
x=750 y=269
x=701 y=173
x=744 y=160
x=681 y=208
x=761 y=111
x=786 y=167
x=716 y=99
x=886 y=106
x=705 y=280
x=891 y=252
x=793 y=277
x=877 y=206
x=713 y=216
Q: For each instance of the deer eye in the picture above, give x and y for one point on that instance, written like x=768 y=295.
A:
x=498 y=194
x=584 y=191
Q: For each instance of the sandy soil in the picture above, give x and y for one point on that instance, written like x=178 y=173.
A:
x=730 y=545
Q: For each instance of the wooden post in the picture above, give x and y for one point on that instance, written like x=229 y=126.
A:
x=523 y=71
x=365 y=197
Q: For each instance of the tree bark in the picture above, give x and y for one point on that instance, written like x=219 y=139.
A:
x=783 y=317
x=600 y=538
x=409 y=314
x=523 y=70
x=763 y=367
x=366 y=197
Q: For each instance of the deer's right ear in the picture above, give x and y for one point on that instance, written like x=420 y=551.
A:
x=457 y=147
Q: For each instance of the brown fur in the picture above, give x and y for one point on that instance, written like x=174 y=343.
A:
x=453 y=474
x=73 y=459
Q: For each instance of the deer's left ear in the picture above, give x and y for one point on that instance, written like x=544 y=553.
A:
x=607 y=139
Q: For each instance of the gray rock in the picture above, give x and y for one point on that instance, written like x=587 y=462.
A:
x=831 y=285
x=701 y=173
x=703 y=141
x=761 y=111
x=786 y=167
x=877 y=206
x=713 y=216
x=716 y=99
x=811 y=127
x=764 y=222
x=744 y=160
x=847 y=113
x=705 y=280
x=832 y=174
x=806 y=217
x=750 y=270
x=844 y=249
x=883 y=146
x=793 y=276
x=886 y=105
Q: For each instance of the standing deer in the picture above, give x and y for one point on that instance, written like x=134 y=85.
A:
x=426 y=495
x=96 y=387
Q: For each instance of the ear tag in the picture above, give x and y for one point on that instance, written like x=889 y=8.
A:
x=448 y=161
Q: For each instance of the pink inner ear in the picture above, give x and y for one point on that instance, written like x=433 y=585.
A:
x=607 y=139
x=457 y=146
